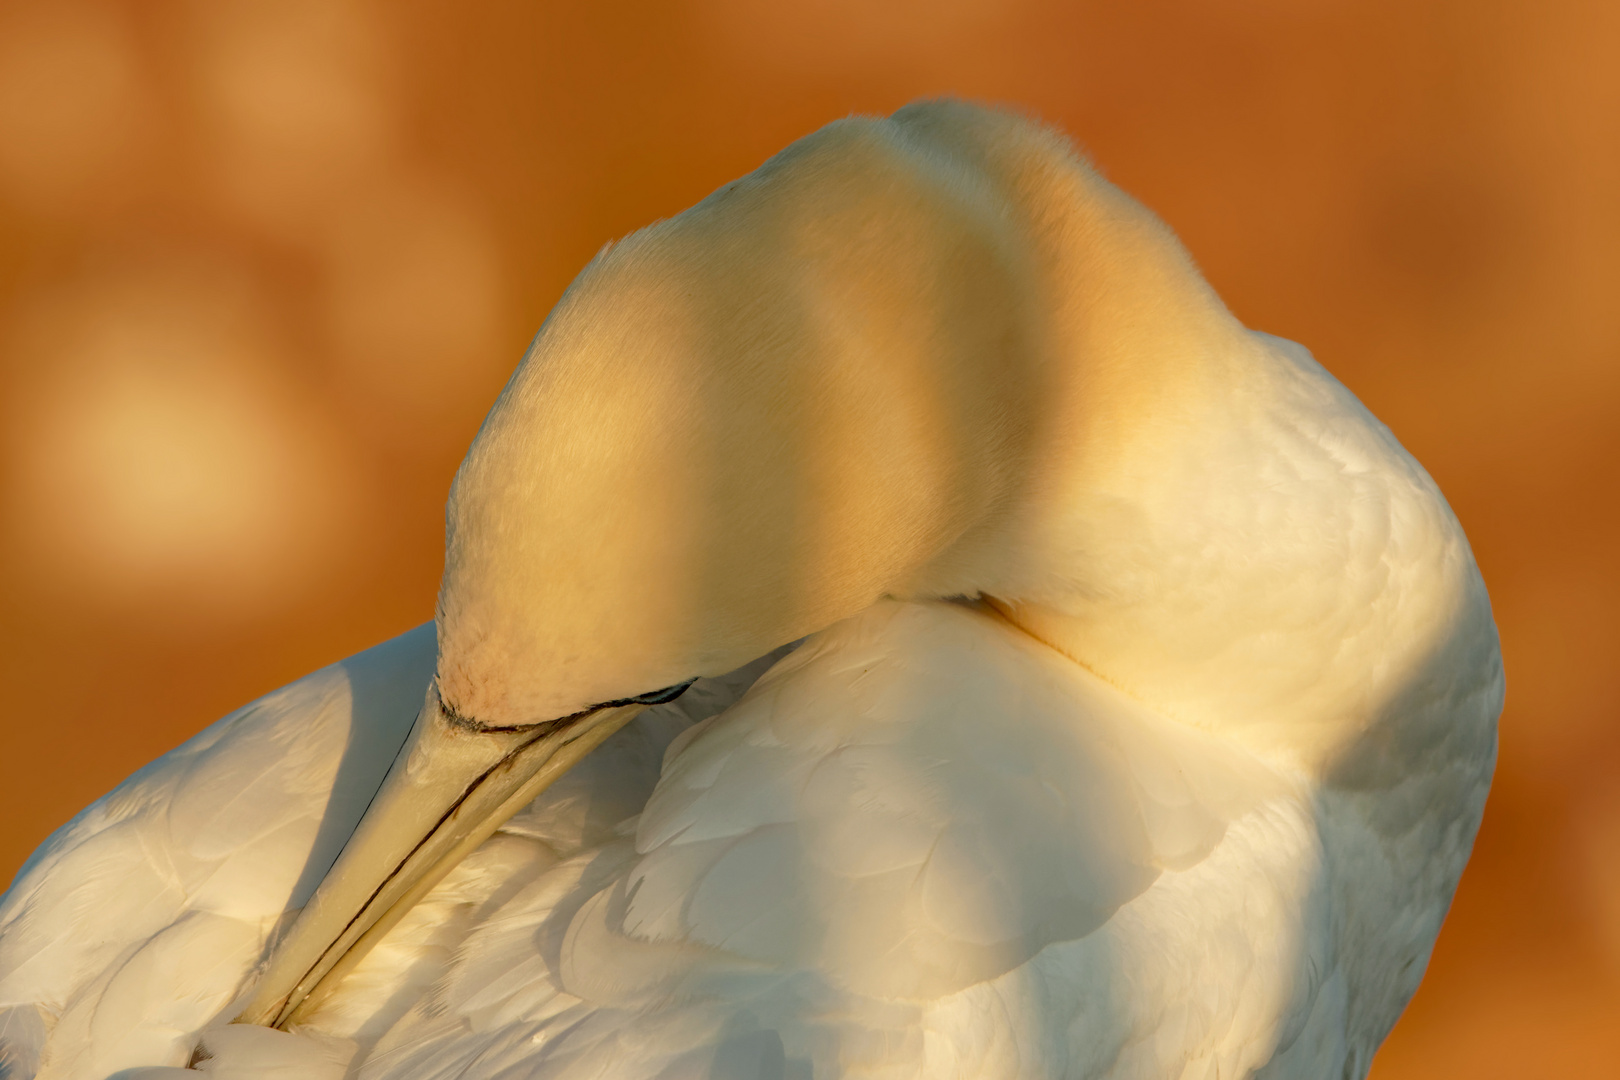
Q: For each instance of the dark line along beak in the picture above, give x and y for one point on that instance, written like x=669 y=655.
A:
x=453 y=783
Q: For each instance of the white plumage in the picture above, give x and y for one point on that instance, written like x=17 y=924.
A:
x=1186 y=795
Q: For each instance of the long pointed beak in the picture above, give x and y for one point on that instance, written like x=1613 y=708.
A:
x=452 y=785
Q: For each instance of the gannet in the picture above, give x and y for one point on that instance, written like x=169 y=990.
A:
x=895 y=622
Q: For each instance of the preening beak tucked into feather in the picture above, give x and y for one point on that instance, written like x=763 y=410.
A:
x=453 y=784
x=738 y=427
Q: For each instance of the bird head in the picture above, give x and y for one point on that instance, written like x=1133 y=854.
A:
x=846 y=376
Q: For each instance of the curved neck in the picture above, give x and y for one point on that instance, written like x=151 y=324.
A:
x=1268 y=563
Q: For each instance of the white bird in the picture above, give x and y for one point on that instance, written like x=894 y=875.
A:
x=1141 y=727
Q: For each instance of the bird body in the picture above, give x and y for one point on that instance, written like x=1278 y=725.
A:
x=1141 y=725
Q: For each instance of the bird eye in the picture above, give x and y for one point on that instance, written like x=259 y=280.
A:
x=652 y=697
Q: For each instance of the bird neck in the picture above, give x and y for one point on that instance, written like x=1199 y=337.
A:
x=1258 y=558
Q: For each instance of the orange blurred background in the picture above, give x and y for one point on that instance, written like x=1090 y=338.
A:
x=263 y=266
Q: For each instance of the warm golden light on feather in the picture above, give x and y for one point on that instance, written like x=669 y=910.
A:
x=919 y=358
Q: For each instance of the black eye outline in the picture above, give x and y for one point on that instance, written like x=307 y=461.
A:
x=454 y=718
x=651 y=697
